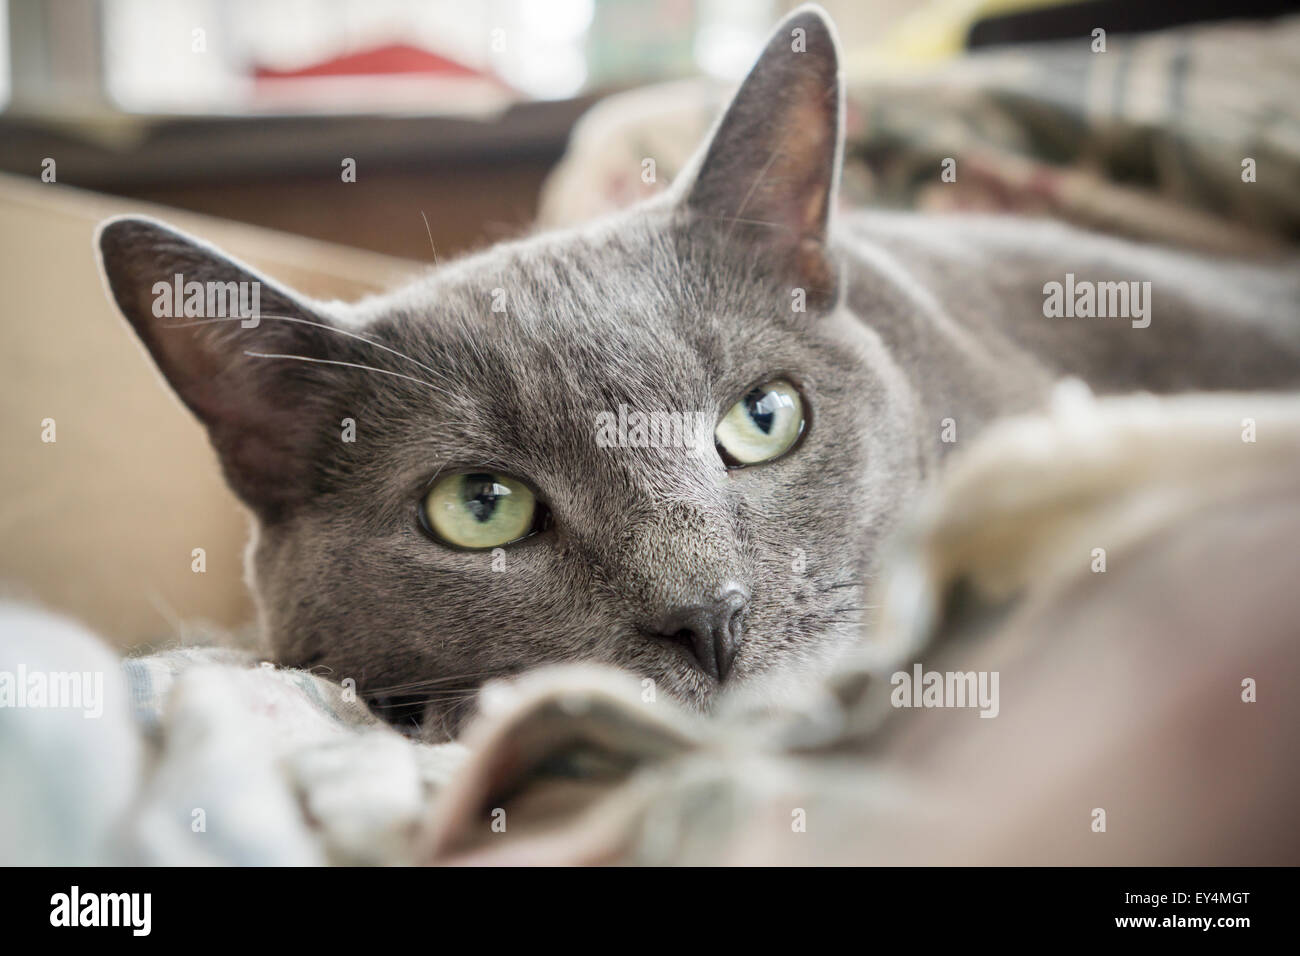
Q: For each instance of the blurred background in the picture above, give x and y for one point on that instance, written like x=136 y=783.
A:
x=243 y=108
x=471 y=122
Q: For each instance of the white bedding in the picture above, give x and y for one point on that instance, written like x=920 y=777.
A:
x=198 y=755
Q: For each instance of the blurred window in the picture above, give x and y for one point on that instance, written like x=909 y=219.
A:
x=232 y=57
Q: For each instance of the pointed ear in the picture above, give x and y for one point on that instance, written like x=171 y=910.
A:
x=771 y=169
x=208 y=322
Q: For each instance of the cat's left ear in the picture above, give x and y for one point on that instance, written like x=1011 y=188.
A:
x=771 y=169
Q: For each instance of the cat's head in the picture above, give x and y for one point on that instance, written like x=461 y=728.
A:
x=500 y=465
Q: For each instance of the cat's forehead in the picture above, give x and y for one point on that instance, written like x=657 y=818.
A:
x=602 y=316
x=525 y=348
x=581 y=281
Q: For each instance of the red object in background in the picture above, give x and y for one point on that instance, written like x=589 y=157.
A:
x=396 y=59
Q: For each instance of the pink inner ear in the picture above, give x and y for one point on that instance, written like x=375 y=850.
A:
x=772 y=161
x=801 y=178
x=815 y=269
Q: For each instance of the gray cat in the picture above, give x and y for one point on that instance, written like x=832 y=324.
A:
x=526 y=484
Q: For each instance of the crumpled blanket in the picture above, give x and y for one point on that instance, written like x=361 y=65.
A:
x=1127 y=566
x=201 y=755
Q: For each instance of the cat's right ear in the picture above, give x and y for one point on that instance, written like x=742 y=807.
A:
x=770 y=172
x=218 y=332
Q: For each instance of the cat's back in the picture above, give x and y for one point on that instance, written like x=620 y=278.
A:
x=1011 y=250
x=1018 y=286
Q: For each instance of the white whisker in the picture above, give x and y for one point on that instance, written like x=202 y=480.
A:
x=430 y=232
x=371 y=368
x=319 y=325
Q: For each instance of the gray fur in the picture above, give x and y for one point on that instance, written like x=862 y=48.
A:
x=681 y=305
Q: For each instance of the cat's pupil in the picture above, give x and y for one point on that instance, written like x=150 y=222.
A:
x=761 y=411
x=481 y=493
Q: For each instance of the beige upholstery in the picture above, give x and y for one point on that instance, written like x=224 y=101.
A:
x=102 y=522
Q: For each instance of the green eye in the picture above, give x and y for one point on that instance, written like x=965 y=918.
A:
x=479 y=510
x=763 y=425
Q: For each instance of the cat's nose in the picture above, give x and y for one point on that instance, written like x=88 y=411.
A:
x=712 y=631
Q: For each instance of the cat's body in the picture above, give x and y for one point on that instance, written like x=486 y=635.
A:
x=958 y=302
x=661 y=560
